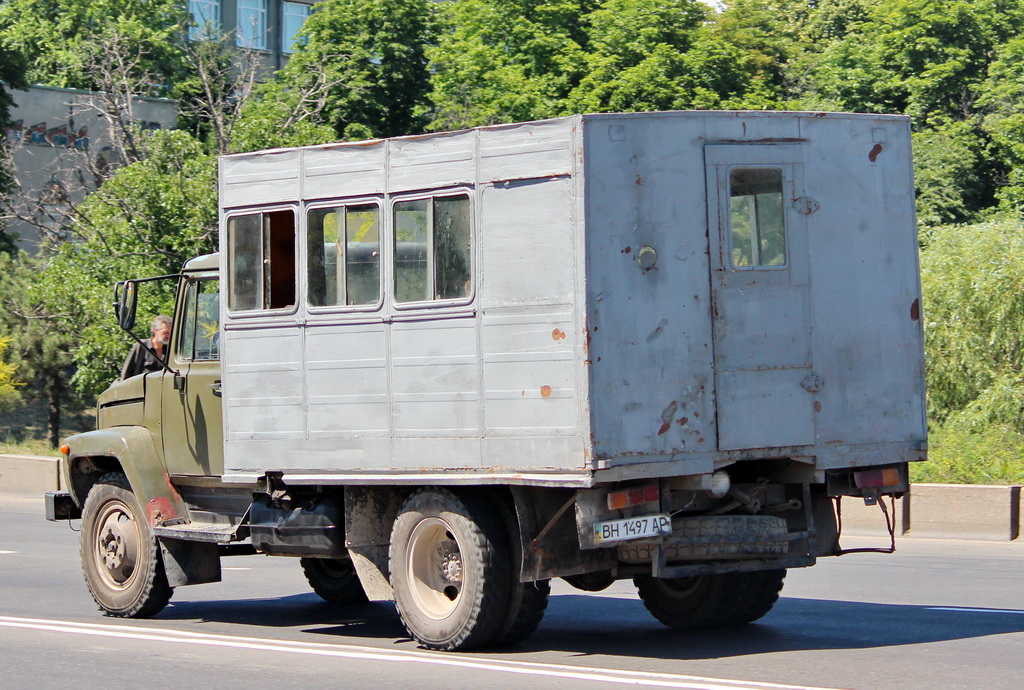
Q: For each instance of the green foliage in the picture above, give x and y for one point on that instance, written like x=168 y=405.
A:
x=8 y=384
x=990 y=455
x=64 y=40
x=973 y=282
x=953 y=174
x=369 y=57
x=506 y=60
x=146 y=220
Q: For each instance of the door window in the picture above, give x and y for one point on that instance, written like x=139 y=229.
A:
x=756 y=217
x=200 y=327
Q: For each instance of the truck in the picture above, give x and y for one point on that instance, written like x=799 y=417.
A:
x=442 y=370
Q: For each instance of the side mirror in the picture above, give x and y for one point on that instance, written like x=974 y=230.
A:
x=126 y=300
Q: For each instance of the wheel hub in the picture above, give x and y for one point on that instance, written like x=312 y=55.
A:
x=117 y=544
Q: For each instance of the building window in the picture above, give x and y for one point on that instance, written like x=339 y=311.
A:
x=252 y=24
x=294 y=14
x=205 y=19
x=432 y=249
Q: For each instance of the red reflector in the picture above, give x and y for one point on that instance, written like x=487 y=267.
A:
x=874 y=479
x=632 y=497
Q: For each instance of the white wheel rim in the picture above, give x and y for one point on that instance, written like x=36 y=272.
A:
x=435 y=569
x=116 y=542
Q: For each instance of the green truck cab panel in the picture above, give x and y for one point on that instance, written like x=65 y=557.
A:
x=131 y=450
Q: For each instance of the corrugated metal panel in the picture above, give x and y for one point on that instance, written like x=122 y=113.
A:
x=432 y=162
x=260 y=178
x=345 y=170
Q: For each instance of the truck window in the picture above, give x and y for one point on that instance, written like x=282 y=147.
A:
x=344 y=255
x=756 y=217
x=261 y=261
x=432 y=249
x=200 y=327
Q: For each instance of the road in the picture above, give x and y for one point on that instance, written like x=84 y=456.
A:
x=936 y=614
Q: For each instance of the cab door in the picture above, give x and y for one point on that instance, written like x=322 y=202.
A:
x=764 y=373
x=193 y=436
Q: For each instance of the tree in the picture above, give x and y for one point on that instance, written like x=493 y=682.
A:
x=369 y=54
x=8 y=384
x=973 y=280
x=658 y=55
x=12 y=76
x=64 y=38
x=42 y=339
x=506 y=60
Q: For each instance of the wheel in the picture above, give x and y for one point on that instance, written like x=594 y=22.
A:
x=710 y=601
x=120 y=556
x=527 y=600
x=334 y=580
x=450 y=570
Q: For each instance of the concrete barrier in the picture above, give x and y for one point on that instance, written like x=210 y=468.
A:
x=937 y=511
x=28 y=475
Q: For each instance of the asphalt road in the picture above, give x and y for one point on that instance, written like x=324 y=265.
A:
x=937 y=614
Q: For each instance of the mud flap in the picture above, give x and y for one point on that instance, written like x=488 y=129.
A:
x=190 y=562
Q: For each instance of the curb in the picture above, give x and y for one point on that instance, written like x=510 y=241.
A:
x=929 y=511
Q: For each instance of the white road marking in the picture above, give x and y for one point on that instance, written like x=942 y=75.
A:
x=606 y=675
x=972 y=610
x=236 y=568
x=3 y=552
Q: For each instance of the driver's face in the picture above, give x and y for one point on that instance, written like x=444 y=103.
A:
x=162 y=334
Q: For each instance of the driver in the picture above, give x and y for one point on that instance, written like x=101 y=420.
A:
x=140 y=359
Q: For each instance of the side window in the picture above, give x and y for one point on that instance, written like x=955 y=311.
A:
x=432 y=249
x=344 y=255
x=756 y=217
x=261 y=261
x=200 y=327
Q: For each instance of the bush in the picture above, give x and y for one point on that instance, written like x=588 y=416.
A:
x=959 y=455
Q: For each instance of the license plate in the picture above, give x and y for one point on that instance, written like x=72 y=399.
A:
x=646 y=526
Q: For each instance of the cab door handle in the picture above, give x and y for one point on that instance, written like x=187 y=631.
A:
x=215 y=387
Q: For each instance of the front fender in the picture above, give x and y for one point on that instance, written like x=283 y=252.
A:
x=131 y=450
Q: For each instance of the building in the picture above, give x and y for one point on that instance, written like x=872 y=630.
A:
x=267 y=26
x=60 y=141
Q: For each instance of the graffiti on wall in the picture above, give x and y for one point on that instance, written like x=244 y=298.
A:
x=66 y=136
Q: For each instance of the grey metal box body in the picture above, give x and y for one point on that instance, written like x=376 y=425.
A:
x=608 y=334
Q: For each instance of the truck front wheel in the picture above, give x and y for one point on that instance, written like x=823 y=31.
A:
x=334 y=580
x=450 y=570
x=120 y=556
x=710 y=601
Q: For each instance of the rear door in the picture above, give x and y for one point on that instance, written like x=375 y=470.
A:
x=764 y=367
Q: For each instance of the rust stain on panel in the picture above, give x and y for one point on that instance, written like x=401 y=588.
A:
x=557 y=335
x=915 y=310
x=545 y=391
x=666 y=417
x=873 y=154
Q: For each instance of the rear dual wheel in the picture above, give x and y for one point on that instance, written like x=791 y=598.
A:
x=454 y=574
x=711 y=601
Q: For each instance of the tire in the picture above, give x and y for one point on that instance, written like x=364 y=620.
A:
x=334 y=580
x=711 y=601
x=450 y=571
x=527 y=600
x=120 y=556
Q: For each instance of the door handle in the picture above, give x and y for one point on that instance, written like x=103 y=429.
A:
x=215 y=387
